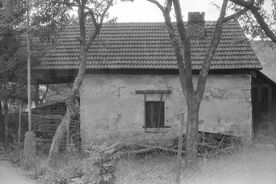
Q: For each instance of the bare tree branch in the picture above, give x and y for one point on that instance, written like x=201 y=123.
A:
x=105 y=11
x=235 y=15
x=205 y=67
x=97 y=25
x=243 y=3
x=185 y=40
x=168 y=7
x=263 y=25
x=157 y=4
x=255 y=11
x=92 y=14
x=93 y=37
x=81 y=23
x=175 y=42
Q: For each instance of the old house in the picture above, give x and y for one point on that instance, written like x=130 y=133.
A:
x=131 y=85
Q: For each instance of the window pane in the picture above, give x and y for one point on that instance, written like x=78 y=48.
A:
x=154 y=114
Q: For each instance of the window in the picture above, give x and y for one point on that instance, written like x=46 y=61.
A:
x=154 y=112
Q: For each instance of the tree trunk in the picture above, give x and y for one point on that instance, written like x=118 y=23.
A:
x=6 y=123
x=183 y=56
x=70 y=110
x=57 y=140
x=192 y=131
x=84 y=46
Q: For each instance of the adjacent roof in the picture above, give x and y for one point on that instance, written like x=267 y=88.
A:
x=147 y=46
x=266 y=53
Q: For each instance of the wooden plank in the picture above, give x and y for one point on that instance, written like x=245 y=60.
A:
x=152 y=148
x=153 y=91
x=145 y=110
x=179 y=151
x=19 y=124
x=160 y=110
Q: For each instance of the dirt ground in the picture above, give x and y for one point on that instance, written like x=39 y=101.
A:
x=12 y=175
x=249 y=166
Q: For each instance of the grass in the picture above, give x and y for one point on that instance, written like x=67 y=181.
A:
x=148 y=169
x=248 y=166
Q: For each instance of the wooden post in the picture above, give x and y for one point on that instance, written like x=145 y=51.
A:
x=180 y=146
x=160 y=108
x=19 y=123
x=145 y=111
x=68 y=128
x=1 y=120
x=29 y=140
x=29 y=70
x=6 y=122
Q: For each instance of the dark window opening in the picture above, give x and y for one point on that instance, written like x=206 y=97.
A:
x=154 y=114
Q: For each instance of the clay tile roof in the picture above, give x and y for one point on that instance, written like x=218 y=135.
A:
x=147 y=46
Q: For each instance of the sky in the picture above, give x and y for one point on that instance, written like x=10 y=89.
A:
x=144 y=11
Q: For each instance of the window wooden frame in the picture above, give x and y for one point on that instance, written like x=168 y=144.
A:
x=161 y=121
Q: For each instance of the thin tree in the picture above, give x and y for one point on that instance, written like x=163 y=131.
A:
x=96 y=11
x=182 y=49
